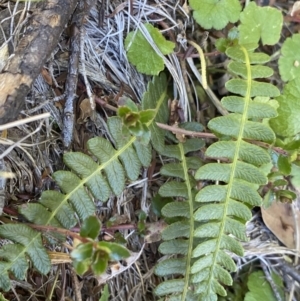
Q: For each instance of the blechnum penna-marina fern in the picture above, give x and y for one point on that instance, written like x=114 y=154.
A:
x=211 y=222
x=90 y=177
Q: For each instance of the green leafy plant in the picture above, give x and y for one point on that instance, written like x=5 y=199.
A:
x=177 y=236
x=215 y=14
x=254 y=27
x=28 y=242
x=222 y=209
x=255 y=286
x=97 y=175
x=105 y=294
x=142 y=55
x=136 y=121
x=260 y=289
x=287 y=123
x=219 y=212
x=93 y=255
x=289 y=62
x=204 y=226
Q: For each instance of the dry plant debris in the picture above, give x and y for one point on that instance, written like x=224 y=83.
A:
x=60 y=59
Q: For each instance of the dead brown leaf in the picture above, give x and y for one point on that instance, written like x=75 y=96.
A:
x=279 y=218
x=47 y=77
x=86 y=111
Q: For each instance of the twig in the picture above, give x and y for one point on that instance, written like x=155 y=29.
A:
x=78 y=19
x=71 y=86
x=63 y=279
x=53 y=286
x=58 y=230
x=73 y=231
x=178 y=130
x=102 y=103
x=76 y=285
x=287 y=269
x=83 y=69
x=23 y=121
x=9 y=149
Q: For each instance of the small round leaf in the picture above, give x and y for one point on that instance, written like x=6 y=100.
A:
x=90 y=228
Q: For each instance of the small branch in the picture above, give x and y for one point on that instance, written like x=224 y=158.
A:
x=268 y=146
x=102 y=103
x=290 y=270
x=78 y=20
x=71 y=86
x=76 y=285
x=24 y=121
x=178 y=130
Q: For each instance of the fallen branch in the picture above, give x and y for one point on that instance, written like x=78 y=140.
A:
x=78 y=20
x=41 y=37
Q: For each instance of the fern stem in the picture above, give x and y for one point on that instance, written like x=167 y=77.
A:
x=191 y=238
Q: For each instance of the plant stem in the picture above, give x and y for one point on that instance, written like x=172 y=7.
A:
x=178 y=130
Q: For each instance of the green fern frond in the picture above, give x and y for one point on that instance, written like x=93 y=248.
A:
x=28 y=242
x=224 y=207
x=94 y=176
x=206 y=226
x=177 y=235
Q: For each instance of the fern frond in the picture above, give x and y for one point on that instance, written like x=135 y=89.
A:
x=28 y=242
x=177 y=235
x=224 y=208
x=206 y=226
x=94 y=176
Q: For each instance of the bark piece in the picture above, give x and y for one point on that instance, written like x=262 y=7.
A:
x=41 y=37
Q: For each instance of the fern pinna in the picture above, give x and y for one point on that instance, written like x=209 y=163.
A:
x=90 y=177
x=212 y=222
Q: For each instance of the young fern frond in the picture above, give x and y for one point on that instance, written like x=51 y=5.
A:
x=90 y=177
x=224 y=207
